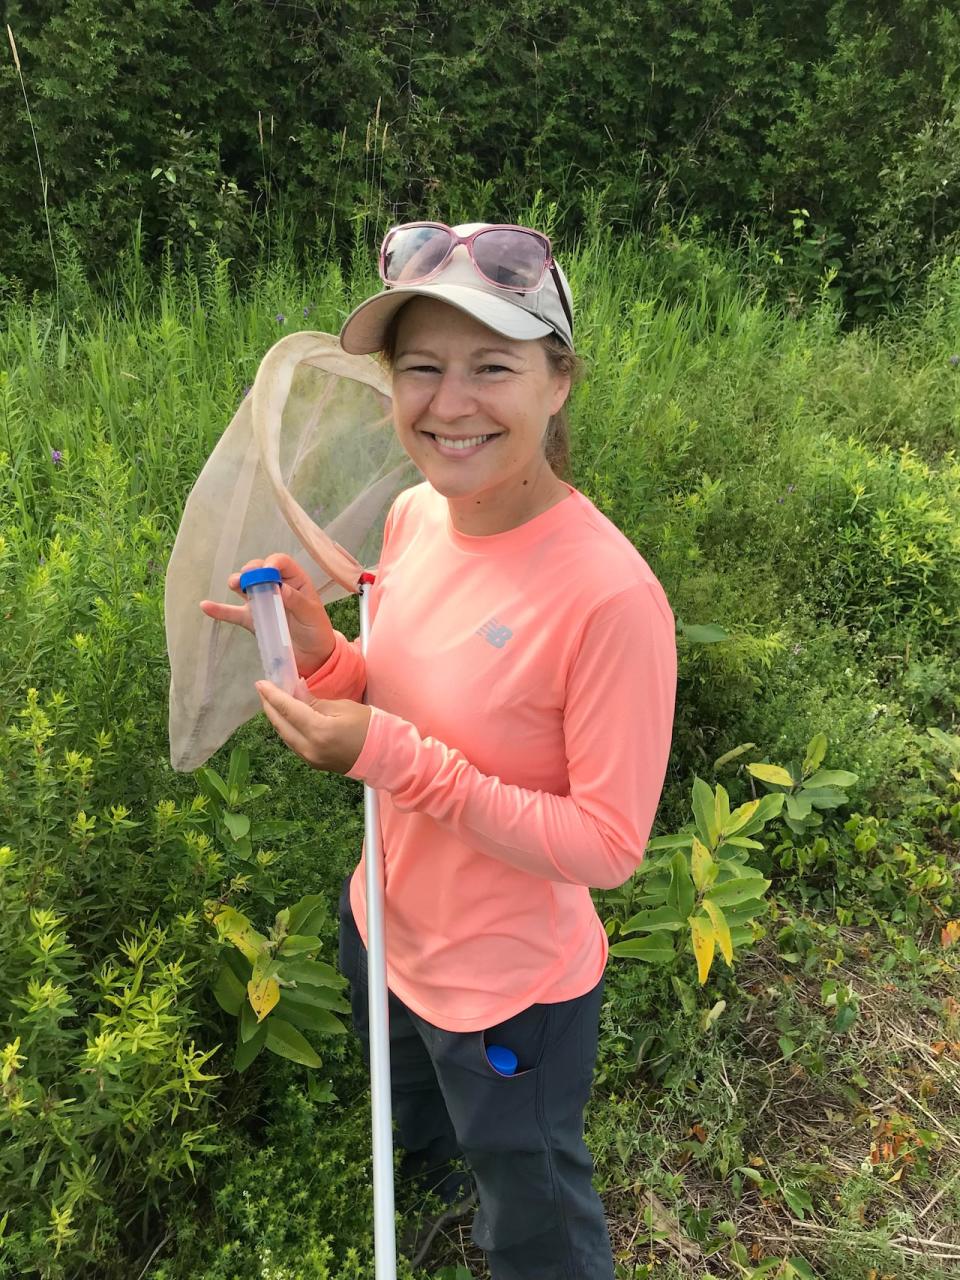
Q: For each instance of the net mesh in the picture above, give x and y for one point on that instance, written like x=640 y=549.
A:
x=309 y=463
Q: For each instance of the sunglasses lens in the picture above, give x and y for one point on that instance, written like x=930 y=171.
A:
x=515 y=259
x=412 y=252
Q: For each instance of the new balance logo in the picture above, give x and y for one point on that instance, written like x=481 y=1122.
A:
x=497 y=635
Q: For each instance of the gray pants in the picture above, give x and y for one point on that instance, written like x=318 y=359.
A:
x=539 y=1217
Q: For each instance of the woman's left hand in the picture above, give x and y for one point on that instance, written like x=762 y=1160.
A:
x=328 y=734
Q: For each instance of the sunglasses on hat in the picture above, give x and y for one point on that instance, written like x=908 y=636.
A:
x=506 y=256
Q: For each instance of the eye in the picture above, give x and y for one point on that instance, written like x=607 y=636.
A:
x=495 y=368
x=419 y=368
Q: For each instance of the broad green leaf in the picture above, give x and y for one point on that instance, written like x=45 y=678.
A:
x=744 y=911
x=248 y=1022
x=824 y=797
x=238 y=929
x=286 y=1040
x=214 y=782
x=228 y=990
x=832 y=778
x=772 y=773
x=247 y=1050
x=798 y=806
x=703 y=866
x=721 y=930
x=313 y=973
x=307 y=914
x=315 y=998
x=704 y=941
x=770 y=805
x=800 y=1265
x=705 y=633
x=729 y=892
x=240 y=965
x=704 y=810
x=740 y=842
x=309 y=1017
x=681 y=894
x=741 y=935
x=238 y=824
x=263 y=987
x=655 y=948
x=816 y=750
x=658 y=918
x=238 y=771
x=679 y=841
x=294 y=943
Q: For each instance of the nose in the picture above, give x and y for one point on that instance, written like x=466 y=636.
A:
x=452 y=398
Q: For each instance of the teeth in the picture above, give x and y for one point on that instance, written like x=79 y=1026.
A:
x=461 y=444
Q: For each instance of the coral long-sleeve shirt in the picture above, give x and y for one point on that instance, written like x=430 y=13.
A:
x=522 y=687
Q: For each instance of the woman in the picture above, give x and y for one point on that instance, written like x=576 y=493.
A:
x=520 y=675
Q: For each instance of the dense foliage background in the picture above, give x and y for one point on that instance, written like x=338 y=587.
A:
x=828 y=130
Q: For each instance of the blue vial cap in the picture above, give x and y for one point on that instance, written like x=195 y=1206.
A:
x=502 y=1059
x=253 y=576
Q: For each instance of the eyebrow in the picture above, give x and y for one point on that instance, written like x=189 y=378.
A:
x=480 y=351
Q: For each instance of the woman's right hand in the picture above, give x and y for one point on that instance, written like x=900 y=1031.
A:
x=311 y=632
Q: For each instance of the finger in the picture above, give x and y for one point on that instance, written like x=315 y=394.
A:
x=271 y=698
x=235 y=613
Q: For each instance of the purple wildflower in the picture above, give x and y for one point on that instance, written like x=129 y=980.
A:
x=281 y=318
x=780 y=500
x=954 y=361
x=789 y=488
x=56 y=457
x=306 y=311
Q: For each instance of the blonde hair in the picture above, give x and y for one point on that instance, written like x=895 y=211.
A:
x=556 y=443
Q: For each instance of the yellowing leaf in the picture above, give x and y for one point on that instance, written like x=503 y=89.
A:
x=703 y=866
x=950 y=933
x=704 y=942
x=771 y=773
x=721 y=930
x=238 y=929
x=263 y=987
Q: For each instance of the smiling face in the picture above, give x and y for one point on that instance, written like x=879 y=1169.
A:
x=456 y=381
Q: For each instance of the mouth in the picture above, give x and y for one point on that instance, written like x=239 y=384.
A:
x=464 y=447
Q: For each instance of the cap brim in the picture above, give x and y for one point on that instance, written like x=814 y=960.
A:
x=364 y=329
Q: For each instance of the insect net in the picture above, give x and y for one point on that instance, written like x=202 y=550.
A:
x=309 y=463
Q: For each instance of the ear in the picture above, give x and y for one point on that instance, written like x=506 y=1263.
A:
x=560 y=392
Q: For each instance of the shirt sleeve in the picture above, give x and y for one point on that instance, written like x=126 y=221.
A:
x=344 y=674
x=618 y=729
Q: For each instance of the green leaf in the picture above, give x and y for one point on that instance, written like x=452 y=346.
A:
x=825 y=797
x=770 y=806
x=238 y=824
x=704 y=811
x=681 y=894
x=685 y=994
x=312 y=972
x=721 y=807
x=798 y=806
x=228 y=990
x=286 y=1041
x=248 y=1049
x=248 y=1022
x=214 y=783
x=729 y=892
x=679 y=841
x=816 y=750
x=655 y=949
x=316 y=998
x=294 y=943
x=658 y=918
x=772 y=773
x=832 y=778
x=705 y=633
x=732 y=755
x=239 y=768
x=739 y=818
x=309 y=1016
x=307 y=915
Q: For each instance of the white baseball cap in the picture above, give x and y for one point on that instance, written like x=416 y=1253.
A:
x=516 y=315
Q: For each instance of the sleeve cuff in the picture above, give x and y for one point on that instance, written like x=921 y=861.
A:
x=367 y=764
